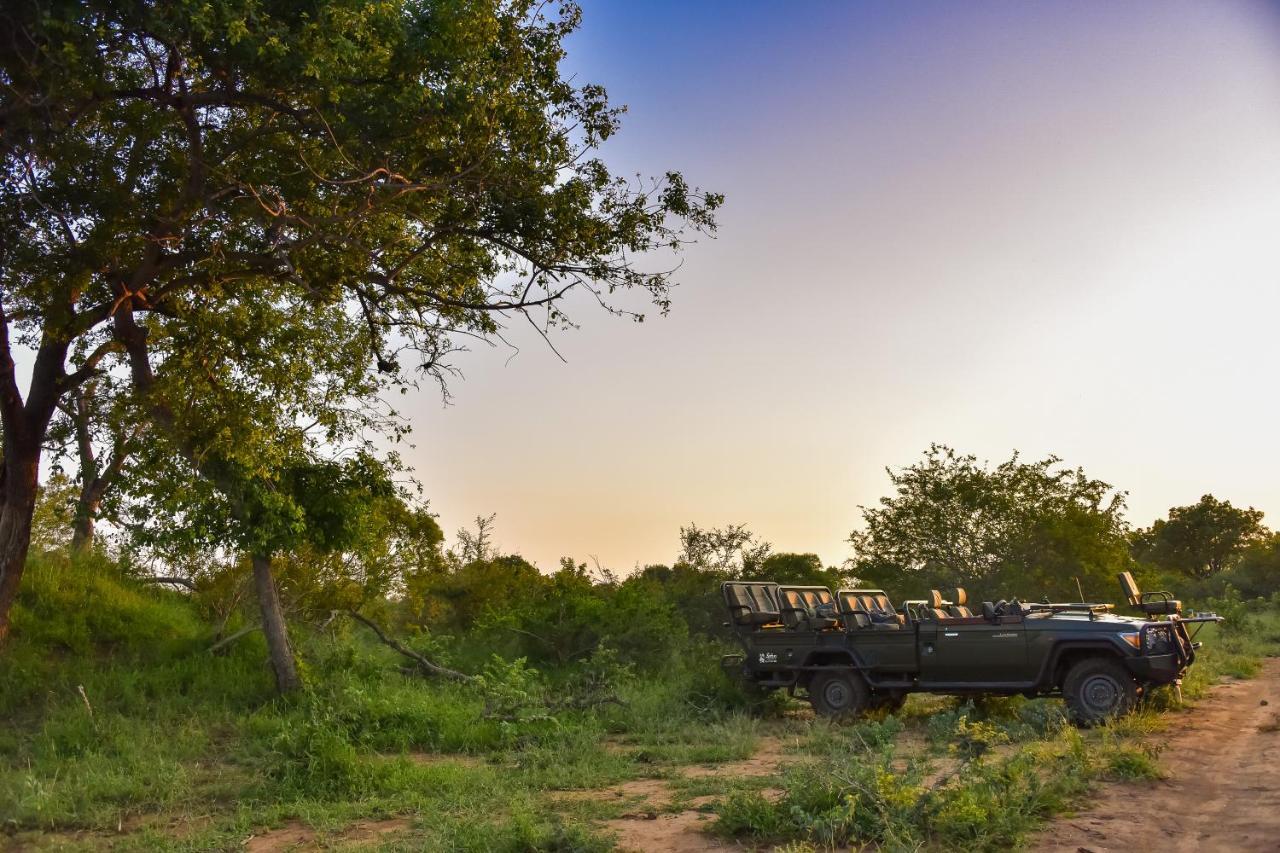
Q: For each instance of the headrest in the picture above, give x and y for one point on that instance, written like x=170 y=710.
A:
x=935 y=599
x=961 y=597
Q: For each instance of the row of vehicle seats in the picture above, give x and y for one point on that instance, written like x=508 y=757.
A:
x=753 y=604
x=875 y=604
x=758 y=604
x=809 y=608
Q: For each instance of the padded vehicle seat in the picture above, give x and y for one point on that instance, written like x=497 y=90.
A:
x=958 y=602
x=806 y=609
x=936 y=610
x=1150 y=603
x=752 y=604
x=875 y=604
x=881 y=610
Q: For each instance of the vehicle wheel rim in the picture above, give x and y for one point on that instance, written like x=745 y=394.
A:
x=836 y=694
x=1101 y=694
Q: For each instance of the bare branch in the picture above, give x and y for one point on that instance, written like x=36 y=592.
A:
x=424 y=665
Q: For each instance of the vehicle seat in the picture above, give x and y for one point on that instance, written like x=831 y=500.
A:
x=958 y=602
x=936 y=607
x=1150 y=603
x=752 y=605
x=874 y=604
x=806 y=609
x=882 y=610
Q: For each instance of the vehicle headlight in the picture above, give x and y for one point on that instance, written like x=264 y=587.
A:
x=1134 y=640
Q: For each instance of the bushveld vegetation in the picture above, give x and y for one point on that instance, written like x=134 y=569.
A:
x=229 y=233
x=123 y=729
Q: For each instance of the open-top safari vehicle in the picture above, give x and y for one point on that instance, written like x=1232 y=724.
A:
x=854 y=650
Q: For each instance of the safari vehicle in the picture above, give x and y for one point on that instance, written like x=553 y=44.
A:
x=854 y=650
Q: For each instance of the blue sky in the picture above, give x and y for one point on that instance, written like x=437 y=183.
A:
x=1043 y=227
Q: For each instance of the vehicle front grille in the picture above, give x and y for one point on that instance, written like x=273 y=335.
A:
x=1159 y=641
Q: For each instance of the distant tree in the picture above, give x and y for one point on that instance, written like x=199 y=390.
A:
x=477 y=546
x=282 y=180
x=729 y=551
x=1020 y=528
x=97 y=428
x=798 y=569
x=51 y=524
x=1200 y=540
x=300 y=505
x=1257 y=571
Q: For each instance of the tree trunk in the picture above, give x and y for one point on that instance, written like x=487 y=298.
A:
x=273 y=626
x=18 y=485
x=87 y=506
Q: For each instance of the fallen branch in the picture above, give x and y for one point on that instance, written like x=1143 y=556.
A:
x=423 y=665
x=583 y=703
x=226 y=641
x=179 y=581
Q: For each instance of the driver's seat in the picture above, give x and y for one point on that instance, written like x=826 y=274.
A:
x=1150 y=603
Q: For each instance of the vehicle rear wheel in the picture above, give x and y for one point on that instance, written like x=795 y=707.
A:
x=1098 y=689
x=839 y=694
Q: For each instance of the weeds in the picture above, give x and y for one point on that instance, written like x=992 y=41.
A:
x=188 y=738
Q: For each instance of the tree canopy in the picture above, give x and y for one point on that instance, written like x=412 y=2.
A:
x=295 y=204
x=1019 y=528
x=1200 y=540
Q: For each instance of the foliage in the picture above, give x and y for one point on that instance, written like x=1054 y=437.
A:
x=165 y=732
x=1027 y=528
x=731 y=551
x=51 y=522
x=1200 y=540
x=260 y=217
x=1257 y=571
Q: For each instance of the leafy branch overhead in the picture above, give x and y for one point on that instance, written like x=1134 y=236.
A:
x=261 y=216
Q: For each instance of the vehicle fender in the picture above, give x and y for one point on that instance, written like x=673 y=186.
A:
x=1102 y=646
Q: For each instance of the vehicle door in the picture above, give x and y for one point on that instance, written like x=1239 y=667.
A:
x=974 y=651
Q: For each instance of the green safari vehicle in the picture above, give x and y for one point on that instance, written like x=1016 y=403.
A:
x=854 y=650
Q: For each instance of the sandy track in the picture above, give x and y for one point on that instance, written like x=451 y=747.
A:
x=1222 y=791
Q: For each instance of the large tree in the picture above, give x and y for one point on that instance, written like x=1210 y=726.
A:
x=1202 y=539
x=270 y=179
x=1019 y=528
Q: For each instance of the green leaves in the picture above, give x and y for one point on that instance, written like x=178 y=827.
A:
x=1020 y=528
x=1202 y=539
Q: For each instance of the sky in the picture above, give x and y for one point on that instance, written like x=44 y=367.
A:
x=1053 y=228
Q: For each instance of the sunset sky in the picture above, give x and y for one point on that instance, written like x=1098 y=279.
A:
x=1049 y=227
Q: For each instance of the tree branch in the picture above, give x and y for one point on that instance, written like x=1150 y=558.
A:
x=173 y=580
x=423 y=664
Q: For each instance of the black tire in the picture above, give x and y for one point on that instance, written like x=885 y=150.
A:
x=1097 y=690
x=839 y=695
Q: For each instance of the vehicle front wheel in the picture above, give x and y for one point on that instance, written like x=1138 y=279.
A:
x=1098 y=689
x=839 y=695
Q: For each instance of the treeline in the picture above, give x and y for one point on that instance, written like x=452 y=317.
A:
x=1018 y=529
x=1040 y=528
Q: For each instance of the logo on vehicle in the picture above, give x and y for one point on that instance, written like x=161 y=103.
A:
x=768 y=657
x=1000 y=636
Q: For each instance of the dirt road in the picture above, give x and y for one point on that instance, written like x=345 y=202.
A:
x=1222 y=791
